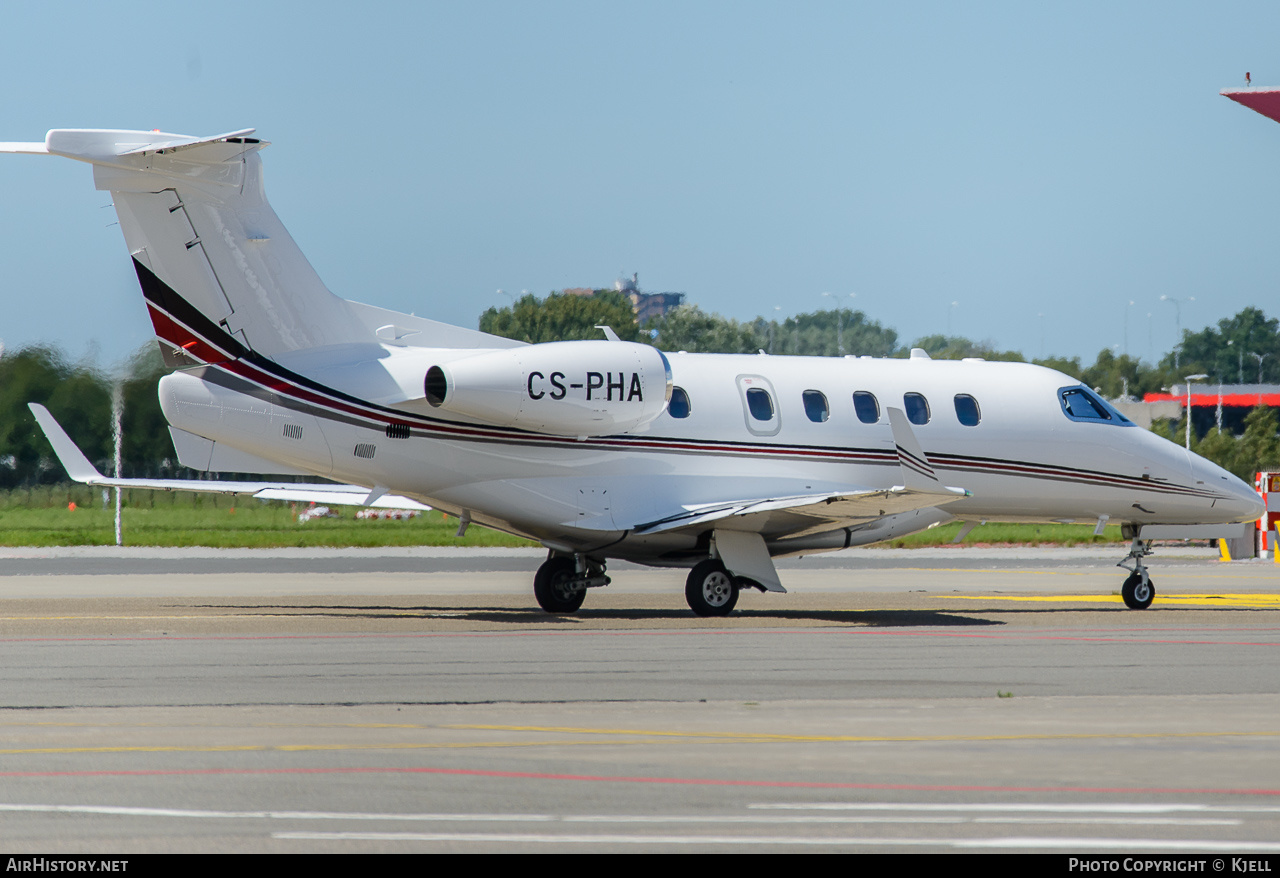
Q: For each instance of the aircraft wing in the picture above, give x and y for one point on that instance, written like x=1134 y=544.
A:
x=81 y=470
x=806 y=514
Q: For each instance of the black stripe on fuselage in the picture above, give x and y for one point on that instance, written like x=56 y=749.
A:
x=220 y=376
x=286 y=384
x=163 y=296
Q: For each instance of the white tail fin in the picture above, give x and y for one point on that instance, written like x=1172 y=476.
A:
x=221 y=275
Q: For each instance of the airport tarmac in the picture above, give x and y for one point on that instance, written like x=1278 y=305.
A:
x=416 y=700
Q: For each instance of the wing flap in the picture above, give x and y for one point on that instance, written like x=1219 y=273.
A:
x=804 y=514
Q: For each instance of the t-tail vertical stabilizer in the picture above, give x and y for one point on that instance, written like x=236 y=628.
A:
x=220 y=272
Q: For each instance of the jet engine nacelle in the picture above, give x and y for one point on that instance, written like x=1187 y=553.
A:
x=565 y=388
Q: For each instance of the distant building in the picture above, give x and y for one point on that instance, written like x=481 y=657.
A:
x=646 y=306
x=1236 y=400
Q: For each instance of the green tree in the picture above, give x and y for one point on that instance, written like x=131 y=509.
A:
x=1218 y=446
x=146 y=446
x=76 y=395
x=561 y=317
x=1114 y=376
x=825 y=333
x=1230 y=352
x=956 y=347
x=1258 y=449
x=689 y=328
x=1067 y=366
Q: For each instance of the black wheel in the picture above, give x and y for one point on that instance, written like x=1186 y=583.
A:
x=1137 y=594
x=711 y=590
x=554 y=585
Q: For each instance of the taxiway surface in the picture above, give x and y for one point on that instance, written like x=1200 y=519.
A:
x=414 y=700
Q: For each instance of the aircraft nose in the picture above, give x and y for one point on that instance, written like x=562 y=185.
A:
x=1241 y=502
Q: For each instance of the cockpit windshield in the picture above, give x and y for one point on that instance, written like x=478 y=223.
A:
x=1082 y=404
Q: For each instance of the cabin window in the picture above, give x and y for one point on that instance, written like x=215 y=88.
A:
x=866 y=406
x=1082 y=404
x=967 y=410
x=917 y=408
x=760 y=404
x=815 y=406
x=679 y=405
x=760 y=412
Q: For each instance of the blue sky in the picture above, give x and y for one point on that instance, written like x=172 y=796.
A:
x=1041 y=165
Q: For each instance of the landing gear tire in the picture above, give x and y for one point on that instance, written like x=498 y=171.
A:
x=557 y=586
x=711 y=590
x=1137 y=594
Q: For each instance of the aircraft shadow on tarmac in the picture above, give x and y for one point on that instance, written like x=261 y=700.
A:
x=531 y=616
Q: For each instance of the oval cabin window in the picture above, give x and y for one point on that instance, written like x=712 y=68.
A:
x=866 y=407
x=760 y=404
x=917 y=408
x=679 y=405
x=967 y=410
x=815 y=406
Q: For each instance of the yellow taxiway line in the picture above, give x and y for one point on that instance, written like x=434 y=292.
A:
x=1234 y=601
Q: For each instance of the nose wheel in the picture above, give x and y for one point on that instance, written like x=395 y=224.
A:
x=1138 y=591
x=711 y=590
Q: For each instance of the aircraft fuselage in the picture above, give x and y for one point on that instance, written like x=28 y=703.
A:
x=1017 y=451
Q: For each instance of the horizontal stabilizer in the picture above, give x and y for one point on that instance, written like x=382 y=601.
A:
x=82 y=470
x=20 y=148
x=182 y=141
x=103 y=144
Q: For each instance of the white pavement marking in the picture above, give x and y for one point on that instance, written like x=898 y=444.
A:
x=1162 y=845
x=1066 y=808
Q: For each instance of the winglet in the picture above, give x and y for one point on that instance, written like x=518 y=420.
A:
x=69 y=454
x=917 y=472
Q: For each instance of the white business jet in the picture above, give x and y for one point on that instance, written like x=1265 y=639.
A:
x=597 y=449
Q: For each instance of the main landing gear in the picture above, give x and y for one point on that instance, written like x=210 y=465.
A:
x=711 y=589
x=561 y=583
x=1138 y=591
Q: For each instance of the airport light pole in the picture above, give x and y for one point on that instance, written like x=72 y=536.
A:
x=1189 y=379
x=1259 y=358
x=1177 y=311
x=839 y=321
x=1126 y=326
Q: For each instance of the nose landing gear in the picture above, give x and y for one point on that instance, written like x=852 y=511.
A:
x=1138 y=591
